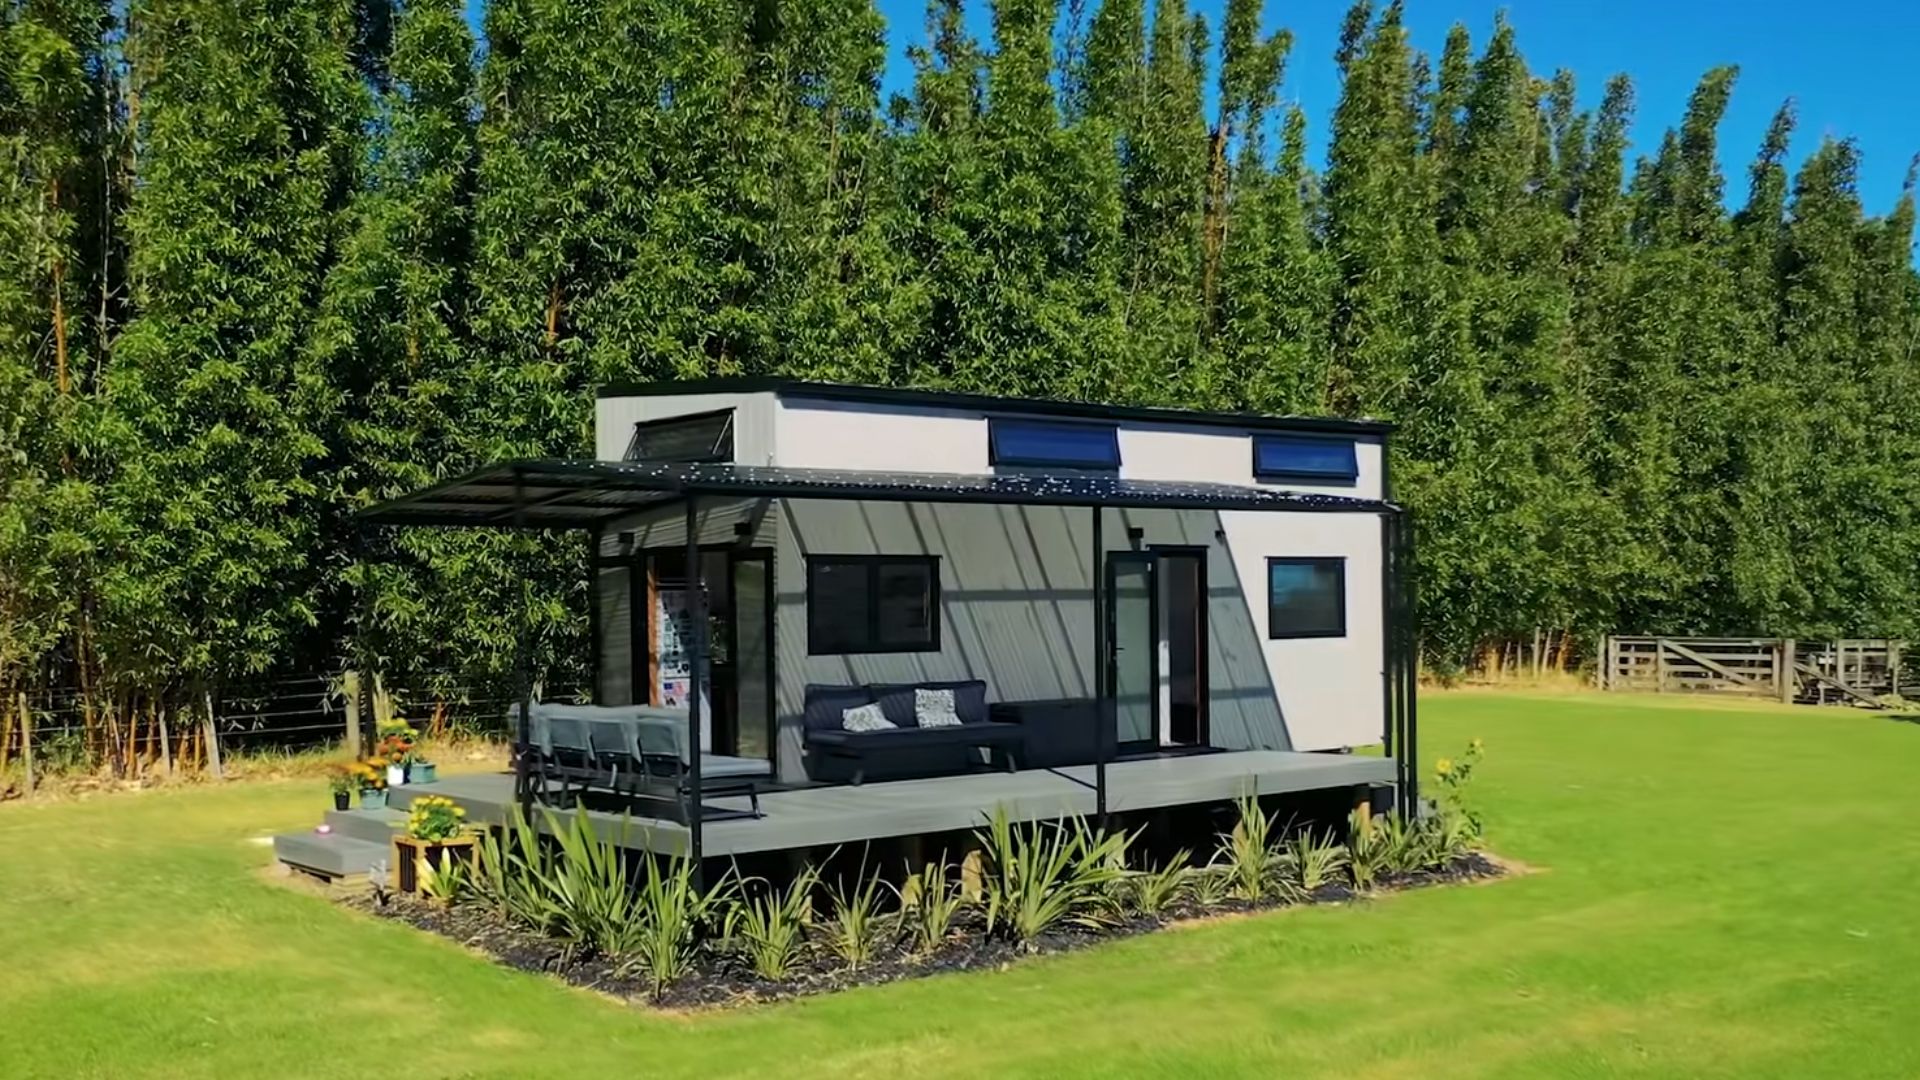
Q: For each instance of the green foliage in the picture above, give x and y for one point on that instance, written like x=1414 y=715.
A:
x=770 y=925
x=1153 y=891
x=1369 y=850
x=1047 y=875
x=264 y=263
x=859 y=927
x=1309 y=860
x=1247 y=855
x=929 y=901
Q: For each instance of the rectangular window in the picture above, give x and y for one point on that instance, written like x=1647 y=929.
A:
x=872 y=604
x=1049 y=445
x=704 y=437
x=1305 y=459
x=1306 y=598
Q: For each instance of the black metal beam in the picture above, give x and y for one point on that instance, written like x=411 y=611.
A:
x=1100 y=670
x=696 y=672
x=523 y=677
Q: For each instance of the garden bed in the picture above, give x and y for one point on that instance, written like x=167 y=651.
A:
x=720 y=977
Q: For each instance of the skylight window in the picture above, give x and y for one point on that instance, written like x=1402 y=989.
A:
x=1048 y=445
x=1305 y=459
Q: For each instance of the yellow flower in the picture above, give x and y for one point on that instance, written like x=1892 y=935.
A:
x=1443 y=766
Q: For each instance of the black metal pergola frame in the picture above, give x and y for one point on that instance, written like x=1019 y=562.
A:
x=576 y=495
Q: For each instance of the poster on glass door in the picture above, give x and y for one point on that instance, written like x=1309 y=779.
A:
x=674 y=616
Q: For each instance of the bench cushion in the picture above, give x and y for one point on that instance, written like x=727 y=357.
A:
x=826 y=706
x=985 y=733
x=969 y=700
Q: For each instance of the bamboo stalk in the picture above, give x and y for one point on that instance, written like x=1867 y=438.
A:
x=166 y=744
x=212 y=740
x=6 y=736
x=26 y=740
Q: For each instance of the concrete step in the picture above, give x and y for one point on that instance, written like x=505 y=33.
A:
x=374 y=826
x=329 y=855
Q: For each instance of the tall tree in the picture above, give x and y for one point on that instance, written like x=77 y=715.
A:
x=248 y=139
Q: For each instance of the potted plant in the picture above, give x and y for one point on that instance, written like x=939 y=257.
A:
x=341 y=781
x=422 y=770
x=394 y=753
x=397 y=739
x=436 y=825
x=372 y=777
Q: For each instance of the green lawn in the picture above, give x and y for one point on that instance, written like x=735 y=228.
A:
x=1722 y=892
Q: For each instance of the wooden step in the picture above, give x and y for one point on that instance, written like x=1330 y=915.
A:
x=374 y=826
x=329 y=855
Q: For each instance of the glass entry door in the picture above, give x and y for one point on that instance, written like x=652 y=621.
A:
x=1133 y=643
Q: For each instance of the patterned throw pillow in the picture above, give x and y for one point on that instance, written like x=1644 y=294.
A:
x=934 y=708
x=865 y=718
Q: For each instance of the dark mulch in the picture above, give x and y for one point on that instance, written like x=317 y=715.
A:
x=727 y=979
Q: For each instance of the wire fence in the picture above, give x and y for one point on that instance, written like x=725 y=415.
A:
x=63 y=731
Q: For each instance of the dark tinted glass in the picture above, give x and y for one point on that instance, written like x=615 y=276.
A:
x=1288 y=457
x=1048 y=445
x=1306 y=598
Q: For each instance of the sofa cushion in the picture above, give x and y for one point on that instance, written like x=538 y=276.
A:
x=969 y=700
x=826 y=704
x=934 y=708
x=868 y=717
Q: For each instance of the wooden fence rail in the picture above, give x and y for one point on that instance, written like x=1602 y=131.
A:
x=1858 y=670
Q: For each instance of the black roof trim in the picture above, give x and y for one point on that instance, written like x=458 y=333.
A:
x=583 y=494
x=987 y=403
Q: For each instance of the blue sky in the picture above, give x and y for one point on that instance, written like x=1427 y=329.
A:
x=1849 y=64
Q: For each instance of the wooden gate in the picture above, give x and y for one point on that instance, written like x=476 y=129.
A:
x=1857 y=670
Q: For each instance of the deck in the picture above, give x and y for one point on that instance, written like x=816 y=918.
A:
x=826 y=816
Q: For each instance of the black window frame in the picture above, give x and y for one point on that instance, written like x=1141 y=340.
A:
x=998 y=458
x=1339 y=565
x=871 y=642
x=1304 y=476
x=722 y=452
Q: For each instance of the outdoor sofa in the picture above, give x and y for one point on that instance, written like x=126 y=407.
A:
x=905 y=750
x=638 y=754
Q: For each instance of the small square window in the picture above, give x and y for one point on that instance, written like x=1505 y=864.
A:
x=1305 y=459
x=1045 y=444
x=1306 y=598
x=872 y=604
x=702 y=437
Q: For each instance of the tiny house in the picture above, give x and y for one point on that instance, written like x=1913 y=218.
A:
x=868 y=614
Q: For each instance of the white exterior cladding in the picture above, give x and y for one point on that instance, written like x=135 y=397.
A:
x=1329 y=690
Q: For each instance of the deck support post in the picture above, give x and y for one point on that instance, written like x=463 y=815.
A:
x=1100 y=723
x=594 y=630
x=696 y=678
x=522 y=664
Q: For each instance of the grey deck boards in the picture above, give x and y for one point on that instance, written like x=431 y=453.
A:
x=825 y=816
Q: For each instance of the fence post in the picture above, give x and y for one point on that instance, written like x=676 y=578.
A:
x=1610 y=652
x=1787 y=663
x=352 y=689
x=213 y=741
x=26 y=740
x=1659 y=665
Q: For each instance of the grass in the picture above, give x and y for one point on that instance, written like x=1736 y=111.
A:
x=1724 y=892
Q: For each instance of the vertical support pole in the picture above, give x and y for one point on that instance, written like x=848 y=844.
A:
x=1389 y=626
x=1410 y=630
x=1101 y=722
x=212 y=736
x=1659 y=665
x=1788 y=673
x=522 y=661
x=26 y=740
x=594 y=631
x=350 y=687
x=697 y=674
